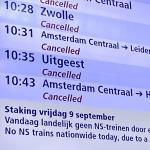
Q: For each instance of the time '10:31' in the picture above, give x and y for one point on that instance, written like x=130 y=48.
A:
x=19 y=31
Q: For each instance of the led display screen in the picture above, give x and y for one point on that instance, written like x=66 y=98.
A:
x=74 y=74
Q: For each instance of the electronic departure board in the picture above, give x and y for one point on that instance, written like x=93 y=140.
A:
x=74 y=74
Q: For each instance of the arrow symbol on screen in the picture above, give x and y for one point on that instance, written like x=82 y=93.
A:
x=125 y=47
x=139 y=93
